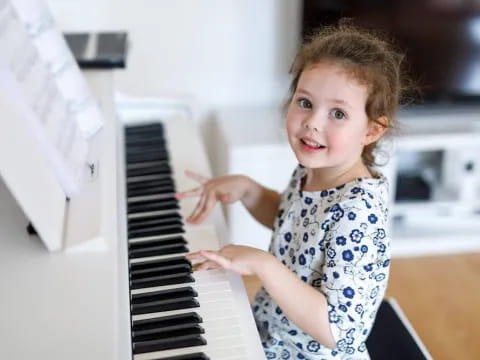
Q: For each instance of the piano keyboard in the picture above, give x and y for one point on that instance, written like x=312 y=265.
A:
x=176 y=314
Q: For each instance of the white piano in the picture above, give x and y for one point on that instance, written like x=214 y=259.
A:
x=79 y=303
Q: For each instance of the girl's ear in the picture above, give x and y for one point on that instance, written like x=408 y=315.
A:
x=376 y=129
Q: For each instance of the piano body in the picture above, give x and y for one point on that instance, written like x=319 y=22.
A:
x=86 y=301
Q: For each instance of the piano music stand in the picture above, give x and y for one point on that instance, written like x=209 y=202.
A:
x=73 y=224
x=59 y=223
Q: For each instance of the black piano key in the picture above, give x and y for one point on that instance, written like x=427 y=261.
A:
x=164 y=321
x=169 y=343
x=168 y=332
x=152 y=156
x=173 y=219
x=146 y=141
x=161 y=270
x=164 y=300
x=145 y=127
x=141 y=150
x=168 y=294
x=156 y=231
x=174 y=279
x=160 y=169
x=151 y=201
x=153 y=205
x=150 y=183
x=139 y=250
x=136 y=132
x=151 y=264
x=143 y=178
x=193 y=356
x=134 y=145
x=158 y=251
x=161 y=277
x=178 y=303
x=140 y=136
x=146 y=151
x=144 y=138
x=167 y=189
x=159 y=186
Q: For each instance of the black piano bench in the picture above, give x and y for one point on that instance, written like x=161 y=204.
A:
x=393 y=337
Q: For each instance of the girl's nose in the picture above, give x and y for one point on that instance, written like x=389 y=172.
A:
x=310 y=126
x=312 y=122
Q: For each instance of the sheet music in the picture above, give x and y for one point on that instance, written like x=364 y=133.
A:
x=38 y=70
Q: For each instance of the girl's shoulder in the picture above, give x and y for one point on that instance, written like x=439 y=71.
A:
x=370 y=189
x=373 y=189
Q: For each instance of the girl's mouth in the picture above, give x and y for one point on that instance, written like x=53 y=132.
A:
x=310 y=145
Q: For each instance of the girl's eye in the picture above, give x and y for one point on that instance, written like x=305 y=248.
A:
x=338 y=114
x=304 y=103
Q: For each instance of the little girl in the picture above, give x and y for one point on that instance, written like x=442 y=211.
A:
x=326 y=270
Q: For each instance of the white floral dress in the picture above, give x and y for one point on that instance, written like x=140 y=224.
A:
x=336 y=241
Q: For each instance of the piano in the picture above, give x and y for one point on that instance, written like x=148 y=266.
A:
x=135 y=296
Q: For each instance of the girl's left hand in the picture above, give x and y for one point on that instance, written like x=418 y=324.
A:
x=243 y=260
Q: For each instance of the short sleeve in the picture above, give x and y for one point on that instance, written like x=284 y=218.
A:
x=355 y=271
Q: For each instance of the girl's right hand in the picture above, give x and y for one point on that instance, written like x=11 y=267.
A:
x=226 y=189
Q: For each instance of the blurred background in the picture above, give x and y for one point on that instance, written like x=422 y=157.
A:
x=229 y=61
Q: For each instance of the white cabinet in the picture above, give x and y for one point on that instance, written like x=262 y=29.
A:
x=440 y=149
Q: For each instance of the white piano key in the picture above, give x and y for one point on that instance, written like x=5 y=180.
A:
x=205 y=310
x=218 y=332
x=147 y=214
x=153 y=238
x=200 y=286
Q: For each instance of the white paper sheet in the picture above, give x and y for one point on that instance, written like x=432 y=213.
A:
x=39 y=71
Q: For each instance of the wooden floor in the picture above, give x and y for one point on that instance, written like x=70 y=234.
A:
x=441 y=298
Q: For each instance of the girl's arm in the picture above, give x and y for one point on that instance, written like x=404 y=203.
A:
x=305 y=306
x=261 y=203
x=300 y=302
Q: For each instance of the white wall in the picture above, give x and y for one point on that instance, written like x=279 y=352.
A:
x=216 y=52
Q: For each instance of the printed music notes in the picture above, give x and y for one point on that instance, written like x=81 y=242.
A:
x=38 y=71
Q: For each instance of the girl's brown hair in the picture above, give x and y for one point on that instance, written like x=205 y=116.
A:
x=370 y=59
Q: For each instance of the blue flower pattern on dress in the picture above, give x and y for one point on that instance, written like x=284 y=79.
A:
x=336 y=241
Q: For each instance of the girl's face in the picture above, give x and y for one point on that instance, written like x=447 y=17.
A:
x=326 y=121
